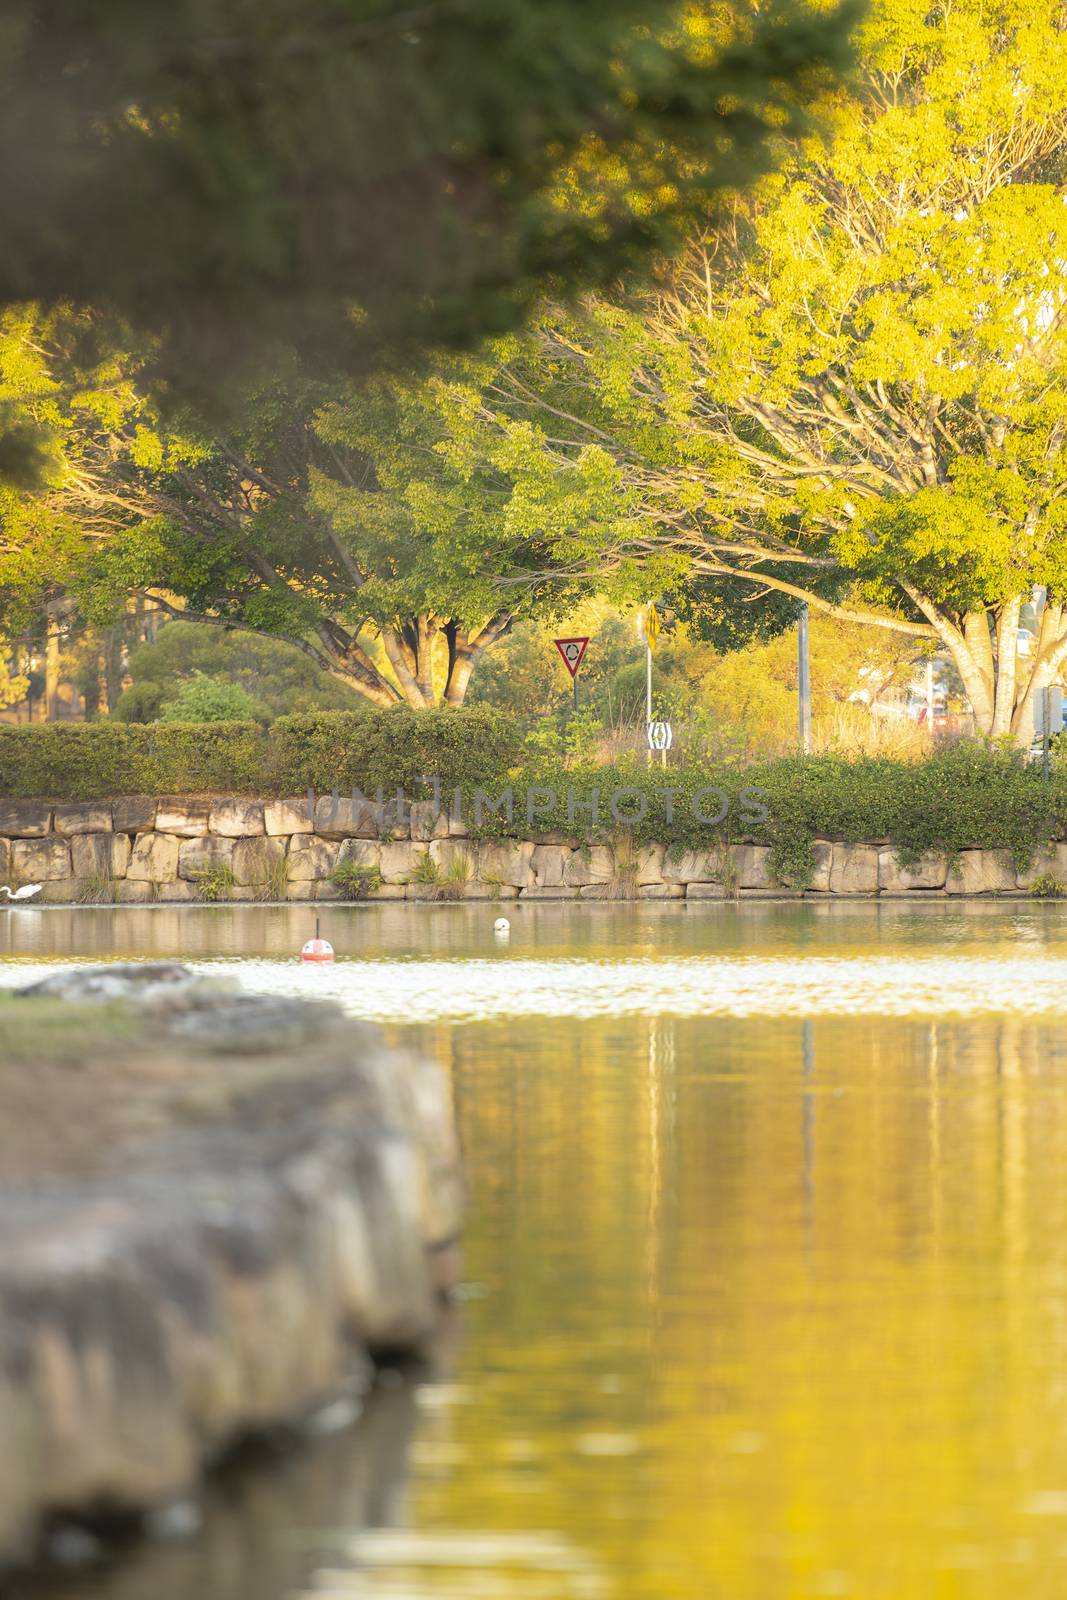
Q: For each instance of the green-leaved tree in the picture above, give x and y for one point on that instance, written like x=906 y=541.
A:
x=853 y=389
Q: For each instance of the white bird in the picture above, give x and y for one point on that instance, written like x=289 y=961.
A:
x=27 y=891
x=502 y=927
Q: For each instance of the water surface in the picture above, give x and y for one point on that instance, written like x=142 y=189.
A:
x=766 y=1270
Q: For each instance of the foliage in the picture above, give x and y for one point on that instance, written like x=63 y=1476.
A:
x=204 y=699
x=447 y=883
x=338 y=750
x=1046 y=886
x=274 y=676
x=98 y=889
x=326 y=517
x=351 y=170
x=736 y=704
x=354 y=880
x=851 y=389
x=392 y=750
x=214 y=883
x=91 y=761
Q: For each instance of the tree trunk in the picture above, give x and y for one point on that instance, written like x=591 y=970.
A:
x=401 y=653
x=464 y=653
x=51 y=666
x=113 y=667
x=1007 y=667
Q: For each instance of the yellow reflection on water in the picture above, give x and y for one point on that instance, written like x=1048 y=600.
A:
x=763 y=1310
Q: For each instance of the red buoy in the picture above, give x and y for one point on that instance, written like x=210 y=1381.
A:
x=317 y=949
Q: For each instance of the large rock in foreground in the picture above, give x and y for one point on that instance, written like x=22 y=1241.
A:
x=214 y=1205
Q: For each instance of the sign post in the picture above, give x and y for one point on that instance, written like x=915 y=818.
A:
x=572 y=652
x=650 y=626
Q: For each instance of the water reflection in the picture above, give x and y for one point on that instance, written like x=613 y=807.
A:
x=758 y=1308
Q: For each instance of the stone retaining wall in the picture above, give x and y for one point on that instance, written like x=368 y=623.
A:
x=137 y=851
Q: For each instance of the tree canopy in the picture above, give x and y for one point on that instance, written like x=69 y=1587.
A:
x=853 y=389
x=327 y=516
x=226 y=175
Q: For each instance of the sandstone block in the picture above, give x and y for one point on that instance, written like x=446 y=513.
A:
x=428 y=821
x=664 y=891
x=548 y=892
x=347 y=818
x=40 y=860
x=507 y=863
x=197 y=856
x=594 y=865
x=928 y=873
x=301 y=890
x=94 y=817
x=1049 y=862
x=289 y=816
x=154 y=858
x=310 y=858
x=237 y=818
x=549 y=862
x=255 y=861
x=133 y=813
x=751 y=867
x=176 y=892
x=649 y=866
x=693 y=866
x=705 y=891
x=186 y=818
x=130 y=892
x=819 y=883
x=62 y=892
x=854 y=869
x=982 y=872
x=25 y=819
x=100 y=855
x=450 y=856
x=397 y=862
x=361 y=852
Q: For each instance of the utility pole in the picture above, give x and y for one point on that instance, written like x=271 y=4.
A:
x=804 y=680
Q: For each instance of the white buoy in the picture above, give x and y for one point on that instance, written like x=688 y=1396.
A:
x=317 y=949
x=501 y=927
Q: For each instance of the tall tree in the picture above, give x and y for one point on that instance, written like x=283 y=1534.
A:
x=328 y=519
x=853 y=389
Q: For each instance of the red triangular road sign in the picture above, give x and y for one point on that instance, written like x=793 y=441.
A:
x=573 y=652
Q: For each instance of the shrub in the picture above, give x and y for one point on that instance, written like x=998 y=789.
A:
x=392 y=749
x=203 y=699
x=355 y=881
x=276 y=676
x=140 y=702
x=91 y=761
x=214 y=883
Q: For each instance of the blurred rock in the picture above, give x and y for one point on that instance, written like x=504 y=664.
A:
x=214 y=1207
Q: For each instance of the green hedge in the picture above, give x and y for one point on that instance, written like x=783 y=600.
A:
x=324 y=751
x=972 y=796
x=92 y=760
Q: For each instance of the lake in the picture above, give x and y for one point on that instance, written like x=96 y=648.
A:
x=766 y=1270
